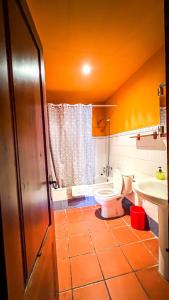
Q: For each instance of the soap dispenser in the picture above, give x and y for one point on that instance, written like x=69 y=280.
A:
x=160 y=174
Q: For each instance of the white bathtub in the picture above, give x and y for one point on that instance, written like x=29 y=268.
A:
x=81 y=190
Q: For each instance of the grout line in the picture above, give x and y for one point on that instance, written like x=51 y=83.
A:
x=100 y=266
x=71 y=281
x=82 y=254
x=135 y=242
x=118 y=226
x=135 y=232
x=88 y=284
x=107 y=289
x=104 y=279
x=149 y=250
x=110 y=247
x=66 y=290
x=124 y=219
x=127 y=259
x=142 y=286
x=95 y=252
x=146 y=267
x=89 y=233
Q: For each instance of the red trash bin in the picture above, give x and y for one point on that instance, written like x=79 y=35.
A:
x=138 y=217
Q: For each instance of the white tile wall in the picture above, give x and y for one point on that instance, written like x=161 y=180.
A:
x=100 y=154
x=140 y=157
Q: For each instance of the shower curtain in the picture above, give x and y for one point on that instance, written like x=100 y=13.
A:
x=71 y=144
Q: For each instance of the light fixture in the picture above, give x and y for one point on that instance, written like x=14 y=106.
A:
x=86 y=69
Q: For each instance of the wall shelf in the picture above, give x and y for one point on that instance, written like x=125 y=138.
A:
x=153 y=134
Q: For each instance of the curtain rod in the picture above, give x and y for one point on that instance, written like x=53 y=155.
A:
x=93 y=105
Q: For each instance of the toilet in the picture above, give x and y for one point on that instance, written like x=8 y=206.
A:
x=110 y=198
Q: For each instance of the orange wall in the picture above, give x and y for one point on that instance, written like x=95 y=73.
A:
x=110 y=35
x=138 y=103
x=99 y=121
x=137 y=100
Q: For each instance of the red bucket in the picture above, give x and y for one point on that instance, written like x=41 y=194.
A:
x=138 y=217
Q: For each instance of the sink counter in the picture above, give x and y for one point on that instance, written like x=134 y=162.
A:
x=152 y=189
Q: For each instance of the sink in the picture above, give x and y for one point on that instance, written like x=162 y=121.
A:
x=153 y=190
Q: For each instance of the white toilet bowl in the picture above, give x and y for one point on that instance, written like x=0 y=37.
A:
x=110 y=201
x=111 y=198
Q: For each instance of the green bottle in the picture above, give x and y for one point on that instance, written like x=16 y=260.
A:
x=160 y=174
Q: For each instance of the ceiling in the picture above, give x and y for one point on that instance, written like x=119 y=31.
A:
x=115 y=36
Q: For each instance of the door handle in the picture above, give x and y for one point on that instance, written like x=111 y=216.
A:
x=54 y=184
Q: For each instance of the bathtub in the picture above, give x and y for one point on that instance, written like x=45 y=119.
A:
x=67 y=193
x=88 y=190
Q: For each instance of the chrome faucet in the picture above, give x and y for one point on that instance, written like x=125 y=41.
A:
x=106 y=170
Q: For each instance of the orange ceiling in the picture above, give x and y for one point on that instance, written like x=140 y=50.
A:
x=115 y=36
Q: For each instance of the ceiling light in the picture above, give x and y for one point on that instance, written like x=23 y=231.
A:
x=86 y=69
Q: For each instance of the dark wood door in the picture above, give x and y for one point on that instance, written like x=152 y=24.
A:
x=9 y=206
x=27 y=240
x=30 y=134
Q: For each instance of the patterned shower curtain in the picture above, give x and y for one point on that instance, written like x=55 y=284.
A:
x=71 y=144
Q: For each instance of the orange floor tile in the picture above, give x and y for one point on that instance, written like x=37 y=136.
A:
x=62 y=248
x=65 y=295
x=156 y=287
x=153 y=246
x=74 y=216
x=60 y=218
x=126 y=287
x=88 y=213
x=78 y=228
x=85 y=269
x=113 y=262
x=80 y=244
x=60 y=231
x=138 y=255
x=91 y=292
x=124 y=235
x=97 y=225
x=115 y=223
x=64 y=276
x=143 y=234
x=106 y=259
x=127 y=219
x=103 y=240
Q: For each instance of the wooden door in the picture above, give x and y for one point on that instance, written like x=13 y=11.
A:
x=10 y=219
x=30 y=134
x=26 y=213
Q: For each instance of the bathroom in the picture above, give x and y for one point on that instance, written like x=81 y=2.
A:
x=108 y=112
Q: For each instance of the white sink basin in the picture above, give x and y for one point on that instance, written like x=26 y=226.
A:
x=153 y=190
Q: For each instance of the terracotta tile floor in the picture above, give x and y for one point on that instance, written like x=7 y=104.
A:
x=105 y=260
